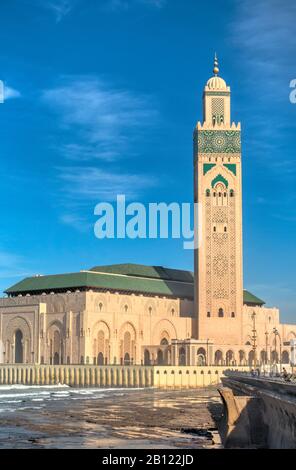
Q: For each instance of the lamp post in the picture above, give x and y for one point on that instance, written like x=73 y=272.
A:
x=276 y=333
x=275 y=351
x=266 y=348
x=254 y=339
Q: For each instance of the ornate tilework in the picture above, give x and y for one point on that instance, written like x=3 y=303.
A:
x=231 y=167
x=219 y=142
x=207 y=167
x=219 y=179
x=217 y=93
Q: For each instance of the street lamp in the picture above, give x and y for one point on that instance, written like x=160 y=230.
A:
x=254 y=339
x=266 y=348
x=276 y=333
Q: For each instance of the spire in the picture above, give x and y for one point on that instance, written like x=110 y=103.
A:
x=216 y=65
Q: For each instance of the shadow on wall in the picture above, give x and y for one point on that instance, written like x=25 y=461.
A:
x=242 y=425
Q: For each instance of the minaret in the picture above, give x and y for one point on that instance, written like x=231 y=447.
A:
x=218 y=190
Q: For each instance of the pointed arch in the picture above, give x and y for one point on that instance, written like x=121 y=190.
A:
x=164 y=328
x=219 y=179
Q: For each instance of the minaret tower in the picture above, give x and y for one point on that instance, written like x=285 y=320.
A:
x=218 y=190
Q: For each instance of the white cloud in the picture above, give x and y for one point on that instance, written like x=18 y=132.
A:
x=266 y=37
x=76 y=221
x=115 y=5
x=105 y=121
x=11 y=265
x=83 y=184
x=100 y=123
x=10 y=93
x=265 y=40
x=59 y=8
x=84 y=187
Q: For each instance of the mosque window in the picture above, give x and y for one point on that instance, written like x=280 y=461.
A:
x=214 y=194
x=215 y=229
x=232 y=315
x=126 y=308
x=231 y=193
x=220 y=194
x=208 y=314
x=220 y=313
x=225 y=229
x=208 y=193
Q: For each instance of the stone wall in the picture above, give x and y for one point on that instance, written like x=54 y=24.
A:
x=263 y=415
x=111 y=376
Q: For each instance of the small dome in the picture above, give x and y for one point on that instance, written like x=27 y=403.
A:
x=216 y=83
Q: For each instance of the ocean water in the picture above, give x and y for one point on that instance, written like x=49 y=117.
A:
x=15 y=398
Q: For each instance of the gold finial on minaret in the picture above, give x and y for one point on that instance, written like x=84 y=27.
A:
x=216 y=65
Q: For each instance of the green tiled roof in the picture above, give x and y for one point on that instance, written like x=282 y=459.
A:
x=151 y=280
x=100 y=280
x=250 y=299
x=140 y=270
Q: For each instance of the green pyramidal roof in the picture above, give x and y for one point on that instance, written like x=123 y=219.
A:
x=250 y=299
x=148 y=280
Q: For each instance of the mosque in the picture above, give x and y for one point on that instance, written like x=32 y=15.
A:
x=134 y=314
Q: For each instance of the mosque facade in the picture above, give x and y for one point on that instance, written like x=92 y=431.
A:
x=133 y=314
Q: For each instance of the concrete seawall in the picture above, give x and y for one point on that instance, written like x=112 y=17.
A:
x=263 y=414
x=112 y=376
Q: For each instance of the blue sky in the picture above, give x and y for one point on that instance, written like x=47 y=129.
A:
x=102 y=99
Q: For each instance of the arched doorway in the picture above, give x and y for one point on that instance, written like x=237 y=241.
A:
x=100 y=359
x=182 y=357
x=18 y=341
x=101 y=343
x=285 y=357
x=164 y=342
x=160 y=357
x=56 y=358
x=55 y=342
x=229 y=358
x=241 y=355
x=127 y=359
x=218 y=358
x=101 y=348
x=56 y=348
x=201 y=357
x=251 y=358
x=147 y=361
x=263 y=357
x=127 y=345
x=274 y=357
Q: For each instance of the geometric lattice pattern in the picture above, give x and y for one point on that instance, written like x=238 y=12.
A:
x=219 y=142
x=218 y=107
